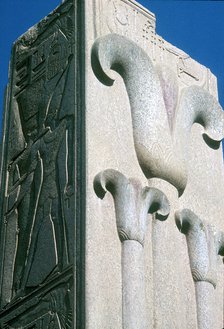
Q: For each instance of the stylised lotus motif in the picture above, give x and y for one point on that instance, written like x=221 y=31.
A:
x=204 y=245
x=160 y=137
x=132 y=205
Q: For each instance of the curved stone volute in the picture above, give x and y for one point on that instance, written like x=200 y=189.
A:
x=203 y=245
x=132 y=203
x=151 y=130
x=196 y=105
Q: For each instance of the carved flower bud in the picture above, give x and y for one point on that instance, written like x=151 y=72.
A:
x=153 y=141
x=197 y=105
x=132 y=203
x=203 y=245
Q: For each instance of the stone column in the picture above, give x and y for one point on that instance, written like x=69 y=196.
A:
x=204 y=246
x=132 y=204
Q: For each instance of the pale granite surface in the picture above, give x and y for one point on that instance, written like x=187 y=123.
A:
x=144 y=123
x=111 y=208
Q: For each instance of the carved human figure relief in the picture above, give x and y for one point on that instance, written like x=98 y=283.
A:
x=40 y=172
x=204 y=246
x=39 y=198
x=60 y=315
x=161 y=128
x=132 y=205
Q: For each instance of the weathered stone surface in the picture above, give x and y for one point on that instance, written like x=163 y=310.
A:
x=98 y=102
x=39 y=175
x=189 y=109
x=204 y=244
x=132 y=204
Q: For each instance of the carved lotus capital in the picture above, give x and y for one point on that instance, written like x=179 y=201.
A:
x=203 y=245
x=132 y=203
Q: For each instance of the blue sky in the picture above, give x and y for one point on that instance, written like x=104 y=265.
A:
x=197 y=27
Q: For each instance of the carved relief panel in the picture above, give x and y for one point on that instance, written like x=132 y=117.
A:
x=51 y=307
x=162 y=116
x=123 y=17
x=130 y=19
x=38 y=226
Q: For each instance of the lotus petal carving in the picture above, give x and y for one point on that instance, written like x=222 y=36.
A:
x=161 y=128
x=132 y=203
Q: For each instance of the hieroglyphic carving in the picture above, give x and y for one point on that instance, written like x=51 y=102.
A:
x=38 y=208
x=132 y=205
x=187 y=69
x=120 y=18
x=149 y=30
x=123 y=17
x=128 y=18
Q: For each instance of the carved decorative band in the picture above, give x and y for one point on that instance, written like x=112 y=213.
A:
x=198 y=276
x=123 y=236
